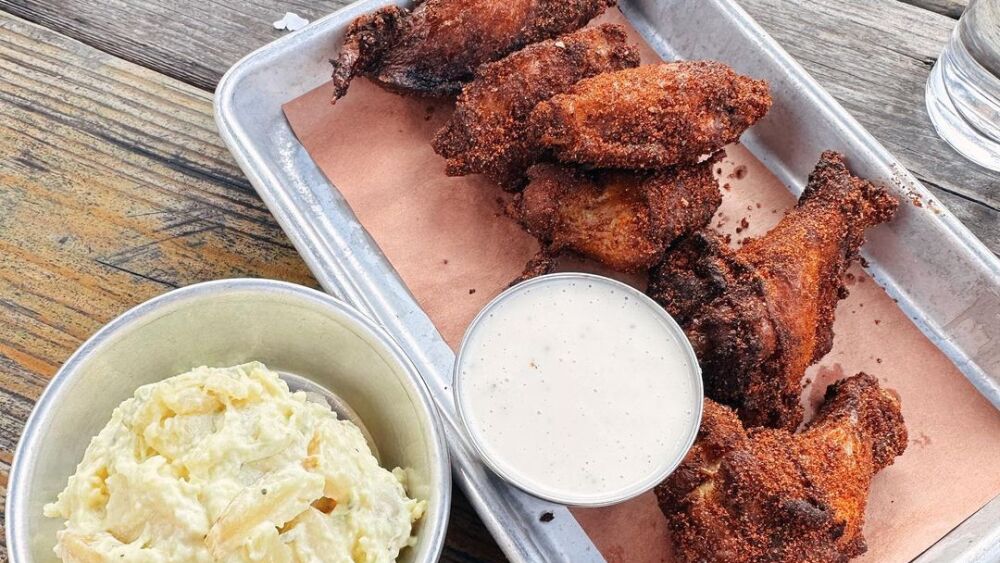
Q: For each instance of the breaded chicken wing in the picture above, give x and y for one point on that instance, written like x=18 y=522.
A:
x=771 y=496
x=487 y=133
x=652 y=116
x=623 y=219
x=759 y=316
x=435 y=49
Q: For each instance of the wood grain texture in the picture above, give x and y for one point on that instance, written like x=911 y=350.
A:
x=950 y=8
x=114 y=188
x=874 y=57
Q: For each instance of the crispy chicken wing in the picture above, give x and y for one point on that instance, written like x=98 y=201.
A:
x=771 y=496
x=759 y=316
x=652 y=116
x=435 y=49
x=623 y=219
x=487 y=133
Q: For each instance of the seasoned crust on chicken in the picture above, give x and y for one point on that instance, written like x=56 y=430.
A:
x=768 y=495
x=759 y=316
x=435 y=49
x=652 y=116
x=487 y=133
x=623 y=219
x=543 y=262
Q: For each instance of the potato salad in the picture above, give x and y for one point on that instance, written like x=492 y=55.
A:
x=226 y=464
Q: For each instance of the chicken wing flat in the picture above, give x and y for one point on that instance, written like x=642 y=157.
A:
x=652 y=116
x=759 y=316
x=771 y=496
x=623 y=219
x=487 y=133
x=437 y=47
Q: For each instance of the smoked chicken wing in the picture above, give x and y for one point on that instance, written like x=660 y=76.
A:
x=770 y=496
x=435 y=49
x=487 y=133
x=623 y=219
x=652 y=116
x=759 y=316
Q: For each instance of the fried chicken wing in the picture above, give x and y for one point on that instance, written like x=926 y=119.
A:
x=623 y=219
x=759 y=316
x=487 y=133
x=771 y=496
x=435 y=49
x=652 y=116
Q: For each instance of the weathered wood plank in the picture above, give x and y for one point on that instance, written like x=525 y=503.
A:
x=190 y=40
x=115 y=187
x=874 y=56
x=950 y=8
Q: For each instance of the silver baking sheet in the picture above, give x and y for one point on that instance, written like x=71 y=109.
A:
x=941 y=275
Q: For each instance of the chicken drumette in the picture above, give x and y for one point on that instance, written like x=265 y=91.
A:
x=435 y=49
x=623 y=219
x=487 y=133
x=759 y=316
x=650 y=117
x=771 y=496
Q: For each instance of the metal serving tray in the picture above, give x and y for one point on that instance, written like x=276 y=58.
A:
x=941 y=275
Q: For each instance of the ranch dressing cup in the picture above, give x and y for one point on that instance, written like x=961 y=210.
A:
x=578 y=389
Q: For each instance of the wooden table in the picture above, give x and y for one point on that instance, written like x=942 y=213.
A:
x=115 y=187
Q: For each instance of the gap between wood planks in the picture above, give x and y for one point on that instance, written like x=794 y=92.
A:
x=951 y=8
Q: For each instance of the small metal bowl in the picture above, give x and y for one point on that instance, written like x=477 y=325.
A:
x=316 y=342
x=506 y=468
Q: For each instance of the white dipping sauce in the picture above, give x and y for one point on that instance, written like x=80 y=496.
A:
x=579 y=389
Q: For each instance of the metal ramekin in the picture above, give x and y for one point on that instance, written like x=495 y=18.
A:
x=497 y=464
x=292 y=329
